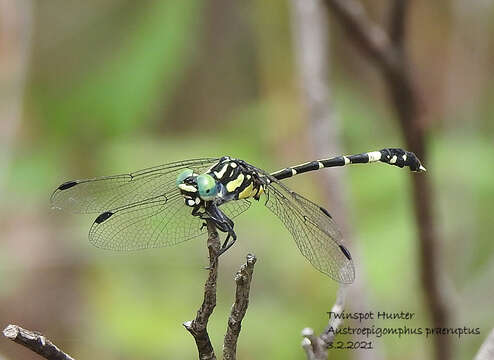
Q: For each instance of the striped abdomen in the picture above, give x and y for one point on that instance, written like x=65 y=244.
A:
x=397 y=157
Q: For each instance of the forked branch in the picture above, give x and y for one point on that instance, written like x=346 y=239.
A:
x=243 y=278
x=198 y=326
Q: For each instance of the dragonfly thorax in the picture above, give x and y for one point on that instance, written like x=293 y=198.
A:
x=229 y=179
x=238 y=180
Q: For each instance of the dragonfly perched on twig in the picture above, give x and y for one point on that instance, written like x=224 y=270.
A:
x=168 y=204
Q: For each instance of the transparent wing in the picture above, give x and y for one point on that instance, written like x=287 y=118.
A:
x=110 y=192
x=152 y=223
x=158 y=222
x=315 y=233
x=235 y=207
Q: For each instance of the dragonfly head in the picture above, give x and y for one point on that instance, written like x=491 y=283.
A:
x=204 y=185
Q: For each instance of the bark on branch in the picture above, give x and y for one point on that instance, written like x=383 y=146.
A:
x=243 y=278
x=198 y=326
x=316 y=347
x=36 y=342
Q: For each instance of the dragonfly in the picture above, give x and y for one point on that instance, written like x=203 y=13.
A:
x=168 y=204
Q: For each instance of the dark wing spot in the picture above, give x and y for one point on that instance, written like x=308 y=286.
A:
x=345 y=252
x=102 y=217
x=326 y=212
x=67 y=185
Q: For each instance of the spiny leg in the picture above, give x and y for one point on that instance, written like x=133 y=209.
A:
x=391 y=156
x=224 y=224
x=225 y=227
x=226 y=241
x=226 y=245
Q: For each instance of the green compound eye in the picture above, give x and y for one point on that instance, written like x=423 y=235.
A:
x=183 y=175
x=207 y=187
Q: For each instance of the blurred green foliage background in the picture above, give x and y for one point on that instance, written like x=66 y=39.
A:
x=116 y=85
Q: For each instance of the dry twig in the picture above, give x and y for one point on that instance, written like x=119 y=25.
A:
x=316 y=347
x=198 y=326
x=36 y=342
x=243 y=279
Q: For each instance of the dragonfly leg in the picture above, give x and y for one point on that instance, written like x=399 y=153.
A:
x=226 y=245
x=226 y=241
x=216 y=219
x=224 y=224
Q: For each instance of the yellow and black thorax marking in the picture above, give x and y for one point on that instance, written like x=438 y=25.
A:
x=239 y=181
